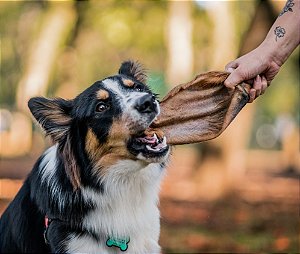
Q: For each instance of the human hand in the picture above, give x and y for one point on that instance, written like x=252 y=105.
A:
x=257 y=68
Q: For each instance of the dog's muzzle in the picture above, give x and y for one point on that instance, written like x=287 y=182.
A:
x=150 y=144
x=147 y=105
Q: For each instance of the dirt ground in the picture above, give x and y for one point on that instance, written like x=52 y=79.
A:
x=261 y=215
x=232 y=225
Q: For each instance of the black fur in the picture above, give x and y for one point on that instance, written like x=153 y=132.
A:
x=67 y=123
x=22 y=224
x=134 y=70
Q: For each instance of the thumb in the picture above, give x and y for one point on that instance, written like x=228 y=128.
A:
x=231 y=66
x=234 y=79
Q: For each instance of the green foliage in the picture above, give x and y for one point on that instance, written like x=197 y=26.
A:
x=283 y=95
x=10 y=59
x=157 y=83
x=109 y=32
x=19 y=21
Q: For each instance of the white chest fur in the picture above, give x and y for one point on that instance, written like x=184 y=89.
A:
x=127 y=208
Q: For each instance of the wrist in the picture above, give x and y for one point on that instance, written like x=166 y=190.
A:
x=272 y=52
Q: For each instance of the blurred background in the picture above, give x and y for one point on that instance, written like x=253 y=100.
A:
x=237 y=193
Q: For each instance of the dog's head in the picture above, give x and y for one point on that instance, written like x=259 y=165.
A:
x=104 y=124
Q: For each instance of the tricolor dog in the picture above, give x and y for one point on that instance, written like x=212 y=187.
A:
x=96 y=189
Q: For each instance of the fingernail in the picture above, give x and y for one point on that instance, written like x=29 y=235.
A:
x=252 y=95
x=257 y=78
x=230 y=69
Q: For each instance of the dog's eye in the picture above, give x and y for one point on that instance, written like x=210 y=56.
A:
x=101 y=106
x=138 y=88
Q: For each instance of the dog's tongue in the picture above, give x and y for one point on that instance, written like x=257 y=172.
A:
x=199 y=110
x=154 y=140
x=149 y=139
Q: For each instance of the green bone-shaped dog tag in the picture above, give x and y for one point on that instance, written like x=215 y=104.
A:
x=117 y=242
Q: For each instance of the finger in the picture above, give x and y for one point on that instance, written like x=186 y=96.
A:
x=235 y=78
x=264 y=84
x=230 y=69
x=257 y=85
x=252 y=94
x=231 y=66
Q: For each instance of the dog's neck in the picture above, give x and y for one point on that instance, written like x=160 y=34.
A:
x=124 y=207
x=127 y=206
x=129 y=190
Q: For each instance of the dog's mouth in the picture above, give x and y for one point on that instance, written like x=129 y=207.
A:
x=149 y=144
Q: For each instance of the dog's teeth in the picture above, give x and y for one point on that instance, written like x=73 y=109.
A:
x=149 y=147
x=152 y=149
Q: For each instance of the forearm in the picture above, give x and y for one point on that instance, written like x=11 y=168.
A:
x=284 y=35
x=261 y=65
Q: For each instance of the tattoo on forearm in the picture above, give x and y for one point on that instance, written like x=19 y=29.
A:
x=279 y=32
x=288 y=7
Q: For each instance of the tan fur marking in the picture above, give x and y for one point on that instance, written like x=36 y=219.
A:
x=71 y=167
x=105 y=155
x=102 y=94
x=128 y=82
x=92 y=145
x=55 y=114
x=52 y=112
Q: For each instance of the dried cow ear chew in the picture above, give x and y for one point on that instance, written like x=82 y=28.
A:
x=201 y=109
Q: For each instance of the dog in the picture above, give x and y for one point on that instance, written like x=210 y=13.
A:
x=96 y=189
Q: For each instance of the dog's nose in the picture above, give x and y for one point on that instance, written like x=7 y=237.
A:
x=146 y=104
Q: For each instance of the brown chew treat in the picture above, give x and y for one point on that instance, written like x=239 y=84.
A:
x=201 y=109
x=150 y=132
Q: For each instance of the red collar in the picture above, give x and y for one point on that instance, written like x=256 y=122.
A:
x=47 y=222
x=46 y=226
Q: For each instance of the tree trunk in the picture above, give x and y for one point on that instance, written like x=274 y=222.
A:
x=233 y=142
x=57 y=25
x=179 y=42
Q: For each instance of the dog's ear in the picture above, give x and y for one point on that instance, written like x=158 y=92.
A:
x=201 y=109
x=134 y=70
x=53 y=115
